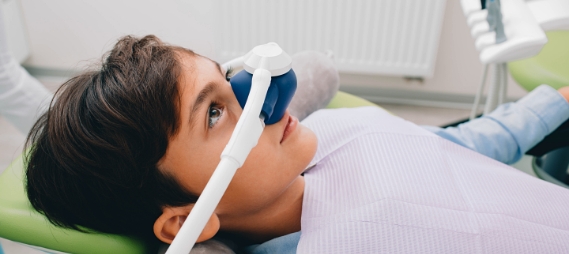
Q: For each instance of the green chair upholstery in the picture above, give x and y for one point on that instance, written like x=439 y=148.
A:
x=19 y=222
x=346 y=100
x=550 y=66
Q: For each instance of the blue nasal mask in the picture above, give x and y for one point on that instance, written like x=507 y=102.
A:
x=283 y=79
x=278 y=97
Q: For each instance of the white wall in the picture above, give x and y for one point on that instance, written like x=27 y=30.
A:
x=64 y=34
x=69 y=34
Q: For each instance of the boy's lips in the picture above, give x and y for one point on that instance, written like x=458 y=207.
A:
x=290 y=126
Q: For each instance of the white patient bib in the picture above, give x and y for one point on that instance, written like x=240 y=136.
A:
x=385 y=185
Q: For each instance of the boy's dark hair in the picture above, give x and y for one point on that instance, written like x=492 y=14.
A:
x=92 y=160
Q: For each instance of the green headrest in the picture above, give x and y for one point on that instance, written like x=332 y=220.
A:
x=19 y=222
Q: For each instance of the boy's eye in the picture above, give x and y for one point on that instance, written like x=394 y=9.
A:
x=214 y=113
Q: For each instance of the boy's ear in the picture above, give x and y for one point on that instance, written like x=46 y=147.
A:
x=169 y=223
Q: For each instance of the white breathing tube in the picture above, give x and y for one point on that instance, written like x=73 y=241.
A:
x=263 y=61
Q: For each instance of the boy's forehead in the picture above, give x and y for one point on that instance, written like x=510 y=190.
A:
x=195 y=65
x=217 y=65
x=193 y=57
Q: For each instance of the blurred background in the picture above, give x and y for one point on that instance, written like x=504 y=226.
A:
x=405 y=51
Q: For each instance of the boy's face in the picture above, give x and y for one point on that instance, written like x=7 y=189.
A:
x=209 y=112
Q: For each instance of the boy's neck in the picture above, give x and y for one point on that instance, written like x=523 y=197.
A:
x=280 y=218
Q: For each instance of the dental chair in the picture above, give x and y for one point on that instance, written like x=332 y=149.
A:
x=19 y=222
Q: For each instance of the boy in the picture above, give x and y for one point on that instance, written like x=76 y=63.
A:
x=128 y=149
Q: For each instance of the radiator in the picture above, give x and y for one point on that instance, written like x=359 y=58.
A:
x=384 y=37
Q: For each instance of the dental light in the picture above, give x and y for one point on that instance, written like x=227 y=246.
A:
x=264 y=89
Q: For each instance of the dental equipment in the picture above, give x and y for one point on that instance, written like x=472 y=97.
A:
x=550 y=14
x=504 y=31
x=268 y=84
x=494 y=19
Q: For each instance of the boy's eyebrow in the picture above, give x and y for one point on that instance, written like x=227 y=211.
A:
x=204 y=93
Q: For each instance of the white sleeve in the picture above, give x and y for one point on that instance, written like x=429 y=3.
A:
x=22 y=97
